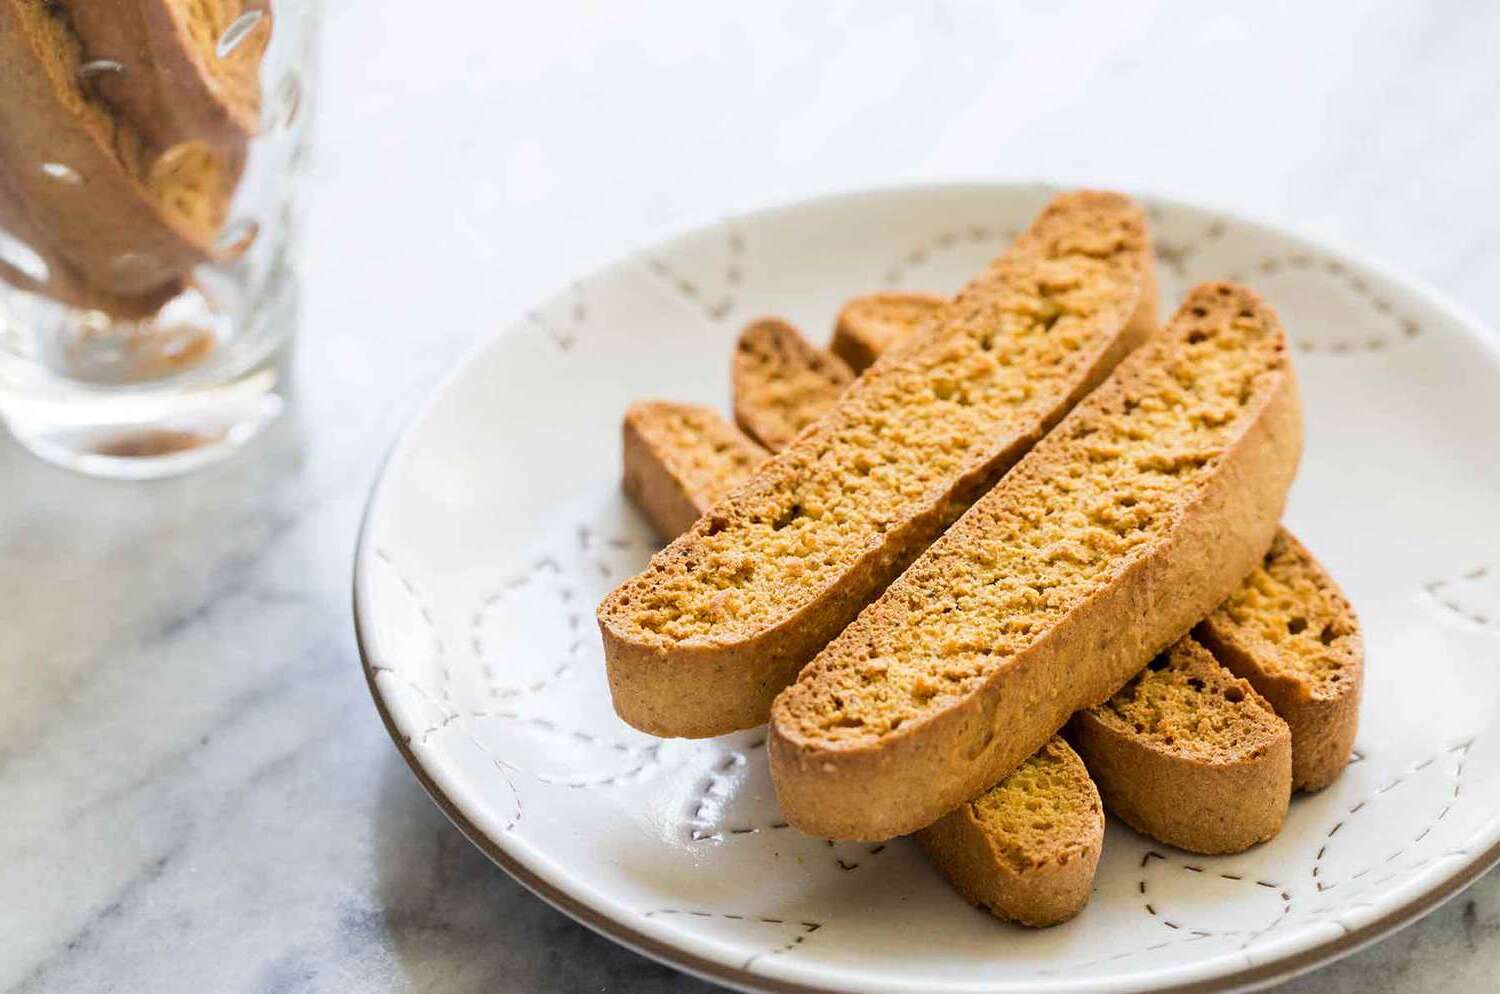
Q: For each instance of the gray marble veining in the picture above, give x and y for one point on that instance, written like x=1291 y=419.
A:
x=196 y=792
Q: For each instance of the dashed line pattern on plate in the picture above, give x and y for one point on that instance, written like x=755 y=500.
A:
x=568 y=595
x=807 y=927
x=715 y=306
x=564 y=334
x=1460 y=750
x=1441 y=592
x=1406 y=327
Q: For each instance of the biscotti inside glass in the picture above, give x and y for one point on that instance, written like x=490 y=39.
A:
x=149 y=160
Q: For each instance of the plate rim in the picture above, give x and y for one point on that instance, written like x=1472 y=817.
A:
x=1273 y=970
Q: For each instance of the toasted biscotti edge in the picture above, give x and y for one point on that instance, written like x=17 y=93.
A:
x=654 y=474
x=59 y=282
x=907 y=780
x=1207 y=809
x=1224 y=804
x=1323 y=725
x=869 y=349
x=110 y=226
x=1155 y=792
x=860 y=336
x=781 y=383
x=173 y=86
x=1049 y=887
x=704 y=687
x=1049 y=891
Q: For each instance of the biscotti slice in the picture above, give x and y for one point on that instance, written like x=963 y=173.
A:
x=55 y=278
x=1190 y=754
x=125 y=221
x=680 y=459
x=1290 y=631
x=1178 y=763
x=869 y=325
x=723 y=618
x=781 y=383
x=1132 y=520
x=182 y=74
x=1026 y=849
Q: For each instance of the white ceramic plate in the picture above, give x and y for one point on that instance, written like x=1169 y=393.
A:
x=498 y=524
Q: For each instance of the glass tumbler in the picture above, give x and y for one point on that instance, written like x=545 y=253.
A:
x=150 y=157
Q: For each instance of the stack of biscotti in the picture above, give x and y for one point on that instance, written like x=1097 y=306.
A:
x=1027 y=848
x=122 y=137
x=1208 y=774
x=724 y=618
x=1188 y=753
x=1126 y=525
x=1287 y=633
x=1199 y=749
x=989 y=880
x=1206 y=768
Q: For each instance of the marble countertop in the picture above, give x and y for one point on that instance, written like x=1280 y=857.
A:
x=197 y=793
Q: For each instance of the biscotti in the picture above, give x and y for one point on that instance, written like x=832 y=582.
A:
x=1292 y=634
x=680 y=459
x=55 y=277
x=1026 y=849
x=1204 y=766
x=1132 y=520
x=1205 y=769
x=1190 y=754
x=781 y=383
x=723 y=618
x=869 y=325
x=173 y=84
x=85 y=181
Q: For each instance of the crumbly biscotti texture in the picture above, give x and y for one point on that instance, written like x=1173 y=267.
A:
x=1292 y=634
x=723 y=618
x=680 y=459
x=1026 y=849
x=1287 y=628
x=174 y=86
x=87 y=185
x=781 y=383
x=1190 y=754
x=1205 y=768
x=871 y=324
x=1132 y=520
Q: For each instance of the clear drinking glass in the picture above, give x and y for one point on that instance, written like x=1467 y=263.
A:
x=150 y=157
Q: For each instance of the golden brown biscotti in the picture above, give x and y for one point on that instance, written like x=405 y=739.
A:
x=871 y=324
x=124 y=222
x=1191 y=774
x=680 y=459
x=1026 y=849
x=1290 y=631
x=172 y=85
x=1190 y=754
x=723 y=618
x=781 y=383
x=1127 y=524
x=58 y=280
